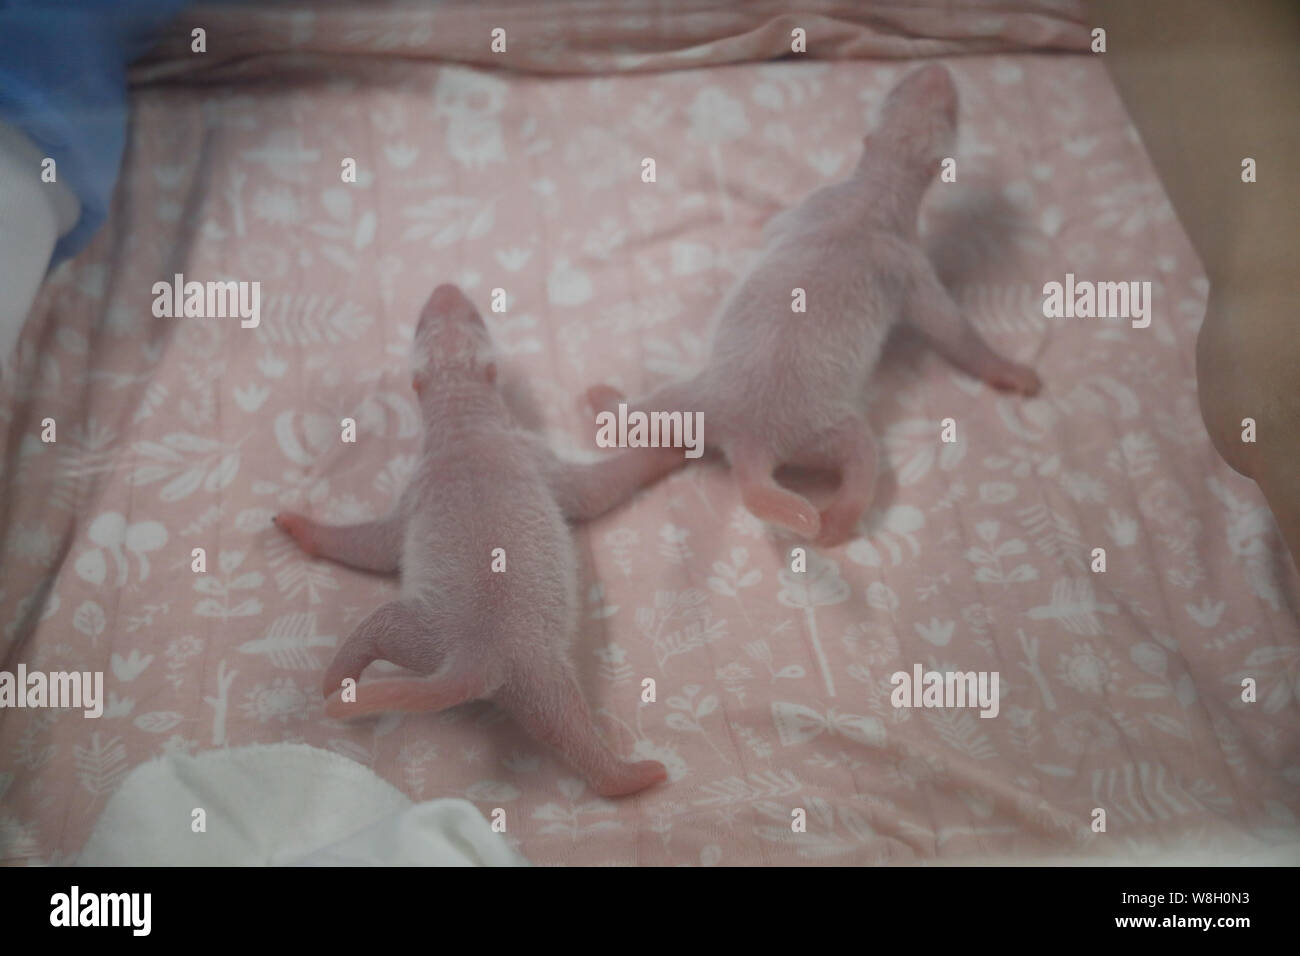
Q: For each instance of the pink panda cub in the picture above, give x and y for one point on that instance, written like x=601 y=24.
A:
x=784 y=388
x=482 y=483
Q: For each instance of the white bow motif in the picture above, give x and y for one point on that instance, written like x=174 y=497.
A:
x=797 y=724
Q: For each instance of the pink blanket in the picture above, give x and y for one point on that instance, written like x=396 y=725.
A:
x=1121 y=690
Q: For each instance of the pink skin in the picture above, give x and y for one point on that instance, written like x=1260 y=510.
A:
x=783 y=388
x=482 y=483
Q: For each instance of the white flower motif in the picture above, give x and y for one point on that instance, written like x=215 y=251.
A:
x=1086 y=670
x=820 y=585
x=281 y=698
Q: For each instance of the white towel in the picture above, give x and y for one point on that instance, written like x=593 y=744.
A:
x=283 y=804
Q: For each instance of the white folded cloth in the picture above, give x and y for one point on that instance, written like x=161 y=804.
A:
x=33 y=215
x=283 y=805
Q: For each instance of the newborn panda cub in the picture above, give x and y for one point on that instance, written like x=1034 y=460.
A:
x=784 y=387
x=482 y=484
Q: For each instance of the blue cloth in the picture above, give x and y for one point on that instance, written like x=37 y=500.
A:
x=63 y=83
